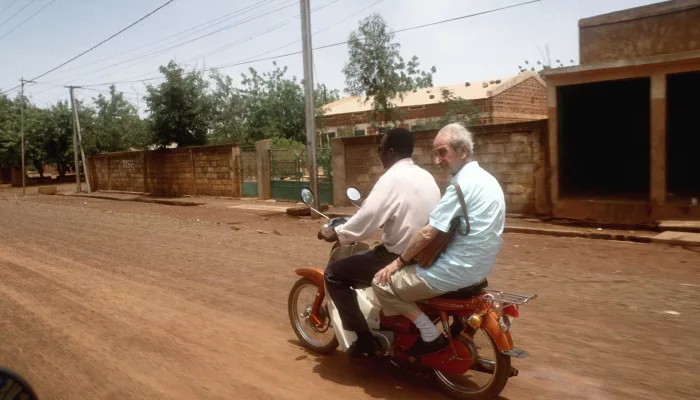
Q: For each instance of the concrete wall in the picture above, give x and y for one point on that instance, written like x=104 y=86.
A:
x=663 y=28
x=196 y=171
x=514 y=153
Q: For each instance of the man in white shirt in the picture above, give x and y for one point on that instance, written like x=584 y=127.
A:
x=400 y=204
x=467 y=260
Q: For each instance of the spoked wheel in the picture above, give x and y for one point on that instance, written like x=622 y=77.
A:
x=488 y=375
x=301 y=300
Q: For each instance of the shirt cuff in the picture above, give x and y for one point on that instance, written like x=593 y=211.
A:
x=342 y=237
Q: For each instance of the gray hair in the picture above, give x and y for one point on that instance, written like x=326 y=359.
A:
x=459 y=136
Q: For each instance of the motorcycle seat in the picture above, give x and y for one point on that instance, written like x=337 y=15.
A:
x=465 y=293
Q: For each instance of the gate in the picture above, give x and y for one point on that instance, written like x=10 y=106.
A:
x=249 y=171
x=289 y=174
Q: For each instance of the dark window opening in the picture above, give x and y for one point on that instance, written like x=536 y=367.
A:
x=683 y=136
x=603 y=140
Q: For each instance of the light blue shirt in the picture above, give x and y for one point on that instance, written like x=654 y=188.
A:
x=468 y=259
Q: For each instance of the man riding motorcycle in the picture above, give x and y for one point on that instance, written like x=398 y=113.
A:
x=399 y=203
x=466 y=261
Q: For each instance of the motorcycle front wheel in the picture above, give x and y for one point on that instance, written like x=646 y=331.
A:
x=488 y=376
x=301 y=300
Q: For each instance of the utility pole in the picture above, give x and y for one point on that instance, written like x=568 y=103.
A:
x=309 y=105
x=21 y=124
x=76 y=143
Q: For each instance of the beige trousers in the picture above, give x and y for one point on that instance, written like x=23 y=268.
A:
x=403 y=290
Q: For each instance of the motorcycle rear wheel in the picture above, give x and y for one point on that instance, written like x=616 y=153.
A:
x=491 y=390
x=302 y=327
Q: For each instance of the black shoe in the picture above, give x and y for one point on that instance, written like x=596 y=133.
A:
x=422 y=348
x=364 y=346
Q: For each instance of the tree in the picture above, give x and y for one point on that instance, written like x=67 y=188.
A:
x=323 y=96
x=229 y=123
x=376 y=70
x=180 y=108
x=57 y=136
x=117 y=126
x=274 y=105
x=9 y=131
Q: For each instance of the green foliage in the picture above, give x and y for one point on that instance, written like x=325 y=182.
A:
x=181 y=108
x=275 y=105
x=375 y=69
x=117 y=126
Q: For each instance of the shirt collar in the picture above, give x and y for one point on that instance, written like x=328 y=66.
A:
x=403 y=162
x=470 y=166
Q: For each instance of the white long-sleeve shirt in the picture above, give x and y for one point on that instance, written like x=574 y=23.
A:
x=400 y=203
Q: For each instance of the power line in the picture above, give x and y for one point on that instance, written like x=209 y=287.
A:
x=26 y=20
x=8 y=7
x=19 y=11
x=95 y=46
x=158 y=52
x=328 y=45
x=208 y=24
x=317 y=32
x=106 y=40
x=289 y=44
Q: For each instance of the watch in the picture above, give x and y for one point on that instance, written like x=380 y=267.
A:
x=404 y=262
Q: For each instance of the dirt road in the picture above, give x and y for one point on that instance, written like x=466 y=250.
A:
x=117 y=300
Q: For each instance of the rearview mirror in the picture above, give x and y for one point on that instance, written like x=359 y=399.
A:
x=13 y=386
x=353 y=194
x=307 y=197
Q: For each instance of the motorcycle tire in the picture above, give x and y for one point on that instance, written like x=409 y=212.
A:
x=295 y=320
x=495 y=386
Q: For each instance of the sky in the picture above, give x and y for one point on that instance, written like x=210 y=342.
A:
x=483 y=47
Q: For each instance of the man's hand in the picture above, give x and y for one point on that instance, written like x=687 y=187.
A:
x=328 y=234
x=382 y=277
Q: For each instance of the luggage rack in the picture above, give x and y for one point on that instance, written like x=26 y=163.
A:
x=508 y=298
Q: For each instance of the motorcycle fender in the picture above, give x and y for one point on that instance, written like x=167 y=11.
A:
x=314 y=274
x=503 y=340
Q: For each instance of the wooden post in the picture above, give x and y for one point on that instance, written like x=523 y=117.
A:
x=144 y=158
x=235 y=171
x=194 y=180
x=109 y=173
x=338 y=167
x=553 y=145
x=262 y=150
x=658 y=141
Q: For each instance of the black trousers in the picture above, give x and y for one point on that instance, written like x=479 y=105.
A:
x=354 y=272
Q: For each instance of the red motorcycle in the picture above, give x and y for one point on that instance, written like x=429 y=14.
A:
x=476 y=365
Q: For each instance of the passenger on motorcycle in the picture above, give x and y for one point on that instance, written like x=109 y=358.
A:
x=399 y=203
x=466 y=261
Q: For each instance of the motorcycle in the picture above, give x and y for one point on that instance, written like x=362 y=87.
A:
x=477 y=322
x=14 y=387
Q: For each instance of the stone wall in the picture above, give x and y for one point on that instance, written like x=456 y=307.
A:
x=196 y=171
x=514 y=153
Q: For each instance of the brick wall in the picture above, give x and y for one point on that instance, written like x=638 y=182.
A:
x=525 y=101
x=196 y=171
x=514 y=153
x=662 y=28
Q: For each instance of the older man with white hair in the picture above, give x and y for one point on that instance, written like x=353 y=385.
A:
x=467 y=260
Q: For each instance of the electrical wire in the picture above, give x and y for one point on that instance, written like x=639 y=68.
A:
x=27 y=19
x=328 y=45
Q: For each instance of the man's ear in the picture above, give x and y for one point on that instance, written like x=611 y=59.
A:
x=465 y=153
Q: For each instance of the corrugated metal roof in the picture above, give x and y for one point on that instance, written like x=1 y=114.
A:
x=470 y=91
